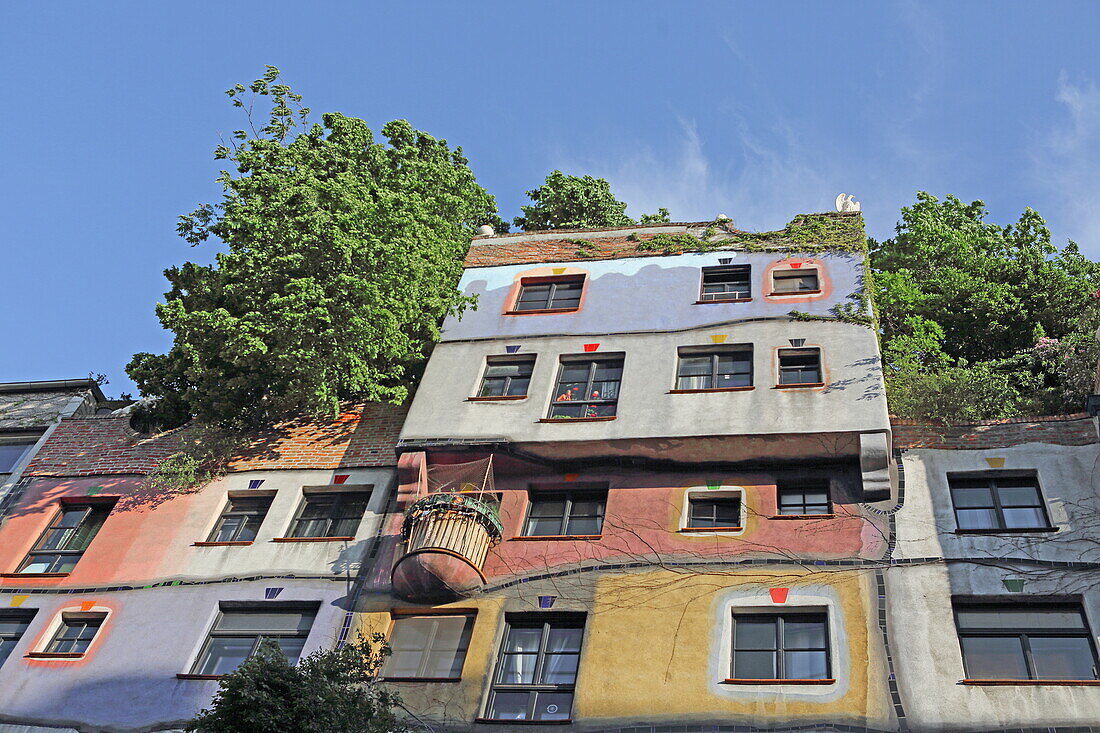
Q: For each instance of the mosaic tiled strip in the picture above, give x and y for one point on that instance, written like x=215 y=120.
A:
x=825 y=727
x=163 y=584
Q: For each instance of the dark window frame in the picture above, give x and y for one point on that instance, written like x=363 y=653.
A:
x=589 y=405
x=1024 y=634
x=724 y=297
x=339 y=498
x=803 y=487
x=546 y=623
x=259 y=608
x=569 y=497
x=491 y=361
x=101 y=510
x=715 y=354
x=25 y=439
x=694 y=499
x=229 y=512
x=425 y=653
x=87 y=625
x=10 y=639
x=792 y=274
x=785 y=370
x=780 y=619
x=551 y=293
x=997 y=505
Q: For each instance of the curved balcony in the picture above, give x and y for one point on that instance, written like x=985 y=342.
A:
x=447 y=537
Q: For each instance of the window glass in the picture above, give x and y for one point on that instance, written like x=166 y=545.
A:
x=725 y=512
x=238 y=632
x=730 y=282
x=572 y=513
x=537 y=670
x=506 y=376
x=587 y=389
x=715 y=368
x=794 y=281
x=1026 y=642
x=563 y=293
x=13 y=624
x=804 y=498
x=67 y=538
x=996 y=501
x=12 y=452
x=331 y=514
x=799 y=366
x=429 y=647
x=241 y=519
x=780 y=646
x=75 y=634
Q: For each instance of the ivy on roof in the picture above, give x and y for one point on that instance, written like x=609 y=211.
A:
x=806 y=233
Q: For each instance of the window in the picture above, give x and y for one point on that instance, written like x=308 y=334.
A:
x=724 y=368
x=565 y=513
x=789 y=282
x=788 y=646
x=76 y=633
x=587 y=388
x=506 y=376
x=537 y=670
x=241 y=519
x=428 y=647
x=799 y=366
x=1032 y=642
x=239 y=630
x=559 y=294
x=12 y=450
x=13 y=624
x=65 y=540
x=726 y=283
x=998 y=502
x=804 y=499
x=706 y=513
x=331 y=514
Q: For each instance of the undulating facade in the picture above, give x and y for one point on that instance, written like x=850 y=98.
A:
x=650 y=484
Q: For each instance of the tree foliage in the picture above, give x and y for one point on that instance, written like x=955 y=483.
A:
x=577 y=202
x=981 y=320
x=329 y=690
x=342 y=257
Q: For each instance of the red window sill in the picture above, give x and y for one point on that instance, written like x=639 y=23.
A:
x=541 y=537
x=712 y=389
x=729 y=300
x=1007 y=683
x=421 y=679
x=803 y=516
x=801 y=384
x=235 y=543
x=577 y=419
x=774 y=294
x=541 y=312
x=182 y=676
x=34 y=575
x=1015 y=530
x=829 y=681
x=502 y=398
x=710 y=529
x=313 y=539
x=54 y=655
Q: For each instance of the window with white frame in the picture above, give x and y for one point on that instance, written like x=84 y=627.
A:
x=240 y=628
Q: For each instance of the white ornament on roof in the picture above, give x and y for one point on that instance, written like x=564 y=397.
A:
x=846 y=202
x=485 y=231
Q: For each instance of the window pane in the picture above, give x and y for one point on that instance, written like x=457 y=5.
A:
x=6 y=647
x=547 y=507
x=225 y=654
x=609 y=371
x=972 y=497
x=1020 y=617
x=584 y=526
x=14 y=623
x=1062 y=659
x=564 y=640
x=10 y=453
x=518 y=669
x=289 y=622
x=587 y=507
x=71 y=517
x=509 y=705
x=317 y=506
x=994 y=658
x=754 y=665
x=1024 y=517
x=560 y=669
x=491 y=388
x=523 y=640
x=534 y=297
x=403 y=664
x=568 y=410
x=977 y=518
x=518 y=386
x=227 y=531
x=691 y=366
x=1018 y=496
x=310 y=528
x=805 y=665
x=543 y=526
x=754 y=634
x=411 y=633
x=444 y=664
x=291 y=647
x=804 y=635
x=553 y=705
x=344 y=527
x=566 y=295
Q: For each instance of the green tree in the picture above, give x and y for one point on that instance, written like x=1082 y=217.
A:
x=342 y=257
x=980 y=320
x=577 y=202
x=329 y=690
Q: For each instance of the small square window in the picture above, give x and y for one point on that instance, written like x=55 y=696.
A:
x=789 y=282
x=331 y=514
x=241 y=519
x=728 y=282
x=238 y=631
x=587 y=388
x=714 y=368
x=804 y=498
x=428 y=647
x=998 y=501
x=67 y=538
x=557 y=294
x=76 y=633
x=507 y=376
x=565 y=513
x=707 y=513
x=785 y=646
x=800 y=366
x=13 y=624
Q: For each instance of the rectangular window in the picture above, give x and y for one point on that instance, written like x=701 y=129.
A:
x=587 y=388
x=1026 y=642
x=537 y=670
x=786 y=282
x=998 y=502
x=722 y=368
x=787 y=646
x=331 y=514
x=428 y=647
x=799 y=366
x=706 y=513
x=13 y=624
x=238 y=631
x=76 y=633
x=804 y=498
x=560 y=294
x=241 y=519
x=565 y=513
x=65 y=540
x=12 y=450
x=507 y=376
x=728 y=282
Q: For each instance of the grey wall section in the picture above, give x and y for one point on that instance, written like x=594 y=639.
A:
x=926 y=650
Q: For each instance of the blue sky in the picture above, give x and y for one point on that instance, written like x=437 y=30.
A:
x=755 y=110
